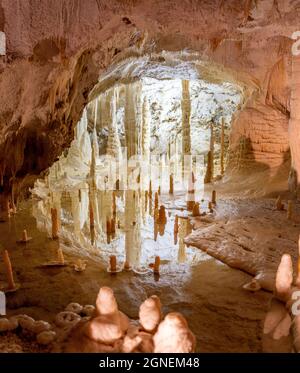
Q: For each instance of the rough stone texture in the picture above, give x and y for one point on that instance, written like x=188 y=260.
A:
x=57 y=49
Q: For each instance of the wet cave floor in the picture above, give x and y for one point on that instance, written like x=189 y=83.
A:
x=223 y=316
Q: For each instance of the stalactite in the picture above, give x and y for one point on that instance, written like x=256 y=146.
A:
x=146 y=137
x=113 y=141
x=130 y=121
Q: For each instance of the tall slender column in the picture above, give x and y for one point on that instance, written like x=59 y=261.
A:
x=186 y=135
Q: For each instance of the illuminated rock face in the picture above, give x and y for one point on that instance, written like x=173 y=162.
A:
x=52 y=64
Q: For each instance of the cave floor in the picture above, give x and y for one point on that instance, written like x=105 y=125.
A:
x=223 y=316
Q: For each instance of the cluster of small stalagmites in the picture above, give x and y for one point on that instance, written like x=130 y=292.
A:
x=110 y=330
x=283 y=318
x=41 y=330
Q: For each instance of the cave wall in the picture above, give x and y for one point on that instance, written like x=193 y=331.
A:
x=56 y=50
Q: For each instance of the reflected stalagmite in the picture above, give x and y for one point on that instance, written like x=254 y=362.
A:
x=113 y=263
x=191 y=193
x=214 y=197
x=181 y=257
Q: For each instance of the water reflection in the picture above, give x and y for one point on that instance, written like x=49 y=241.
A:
x=127 y=224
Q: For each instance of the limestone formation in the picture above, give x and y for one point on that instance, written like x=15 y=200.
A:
x=174 y=336
x=284 y=277
x=150 y=314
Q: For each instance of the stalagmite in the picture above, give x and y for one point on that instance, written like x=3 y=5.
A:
x=222 y=151
x=171 y=189
x=150 y=314
x=109 y=324
x=9 y=271
x=196 y=209
x=210 y=206
x=279 y=204
x=156 y=201
x=290 y=210
x=159 y=191
x=191 y=193
x=284 y=277
x=214 y=197
x=113 y=227
x=156 y=265
x=162 y=218
x=210 y=158
x=208 y=174
x=113 y=263
x=174 y=336
x=108 y=229
x=54 y=220
x=24 y=237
